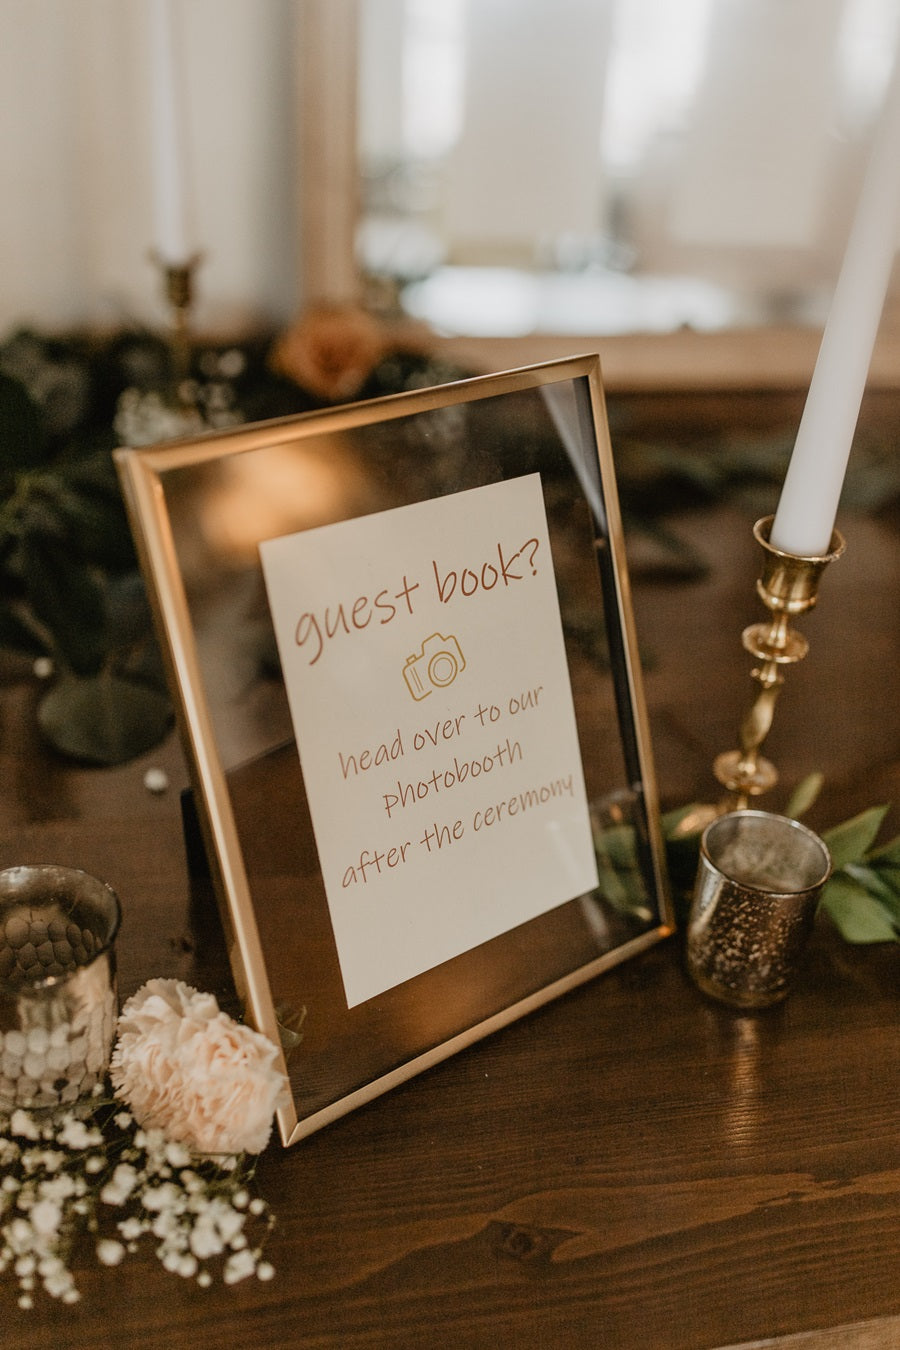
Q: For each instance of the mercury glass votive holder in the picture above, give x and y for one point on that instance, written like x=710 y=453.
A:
x=758 y=885
x=58 y=997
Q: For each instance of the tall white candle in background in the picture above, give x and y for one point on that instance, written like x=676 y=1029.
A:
x=812 y=487
x=170 y=181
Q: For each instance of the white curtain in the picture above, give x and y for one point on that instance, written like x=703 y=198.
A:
x=525 y=169
x=719 y=139
x=764 y=178
x=76 y=228
x=716 y=138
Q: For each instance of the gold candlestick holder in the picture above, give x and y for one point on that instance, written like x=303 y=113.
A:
x=788 y=586
x=178 y=288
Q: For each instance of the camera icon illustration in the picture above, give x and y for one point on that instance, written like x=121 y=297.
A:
x=436 y=665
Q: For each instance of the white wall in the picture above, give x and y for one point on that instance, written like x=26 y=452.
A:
x=525 y=167
x=76 y=224
x=722 y=140
x=758 y=171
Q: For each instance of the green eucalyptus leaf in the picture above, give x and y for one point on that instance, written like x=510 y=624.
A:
x=804 y=795
x=18 y=635
x=92 y=473
x=663 y=550
x=858 y=916
x=887 y=874
x=612 y=886
x=289 y=1021
x=873 y=490
x=68 y=600
x=92 y=512
x=615 y=843
x=681 y=830
x=888 y=855
x=104 y=719
x=95 y=528
x=850 y=841
x=55 y=374
x=128 y=612
x=34 y=505
x=620 y=878
x=875 y=884
x=22 y=443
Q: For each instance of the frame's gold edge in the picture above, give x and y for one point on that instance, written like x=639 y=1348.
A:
x=156 y=548
x=139 y=471
x=342 y=417
x=378 y=1087
x=630 y=649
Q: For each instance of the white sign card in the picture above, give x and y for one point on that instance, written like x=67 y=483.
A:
x=423 y=658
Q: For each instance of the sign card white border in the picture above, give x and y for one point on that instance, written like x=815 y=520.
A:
x=423 y=656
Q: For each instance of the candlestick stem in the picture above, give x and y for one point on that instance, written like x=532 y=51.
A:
x=179 y=290
x=787 y=586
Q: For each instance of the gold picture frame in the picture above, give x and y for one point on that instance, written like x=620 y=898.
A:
x=203 y=512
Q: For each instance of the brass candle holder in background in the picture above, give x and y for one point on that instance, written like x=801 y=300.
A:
x=787 y=587
x=178 y=284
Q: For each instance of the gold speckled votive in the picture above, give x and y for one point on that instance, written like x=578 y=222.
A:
x=755 y=898
x=58 y=1002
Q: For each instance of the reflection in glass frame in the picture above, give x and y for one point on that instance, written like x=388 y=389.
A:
x=200 y=510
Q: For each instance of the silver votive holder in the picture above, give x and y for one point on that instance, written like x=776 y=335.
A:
x=758 y=885
x=58 y=999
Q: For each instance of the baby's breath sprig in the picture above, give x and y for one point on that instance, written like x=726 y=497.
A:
x=90 y=1175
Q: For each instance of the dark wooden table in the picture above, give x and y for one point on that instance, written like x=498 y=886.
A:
x=633 y=1166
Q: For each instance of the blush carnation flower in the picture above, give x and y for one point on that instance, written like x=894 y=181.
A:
x=188 y=1069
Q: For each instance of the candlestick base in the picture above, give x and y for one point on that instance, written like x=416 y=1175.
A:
x=787 y=586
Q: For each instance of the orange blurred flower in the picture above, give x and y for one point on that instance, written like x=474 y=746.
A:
x=331 y=351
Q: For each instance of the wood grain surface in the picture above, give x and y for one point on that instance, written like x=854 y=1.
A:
x=633 y=1166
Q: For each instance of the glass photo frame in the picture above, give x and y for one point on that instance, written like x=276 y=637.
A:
x=400 y=642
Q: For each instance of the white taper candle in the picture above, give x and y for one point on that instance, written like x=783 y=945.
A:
x=812 y=487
